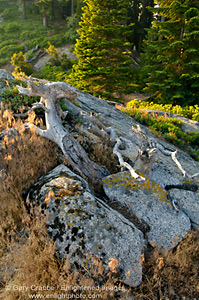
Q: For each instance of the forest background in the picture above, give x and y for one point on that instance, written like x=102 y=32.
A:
x=121 y=46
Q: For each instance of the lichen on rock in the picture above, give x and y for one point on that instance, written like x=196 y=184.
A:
x=80 y=223
x=149 y=203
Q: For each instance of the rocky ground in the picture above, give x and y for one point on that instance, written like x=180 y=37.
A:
x=130 y=214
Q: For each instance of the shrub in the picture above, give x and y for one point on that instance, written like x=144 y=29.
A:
x=18 y=60
x=7 y=51
x=52 y=73
x=191 y=112
x=27 y=35
x=11 y=27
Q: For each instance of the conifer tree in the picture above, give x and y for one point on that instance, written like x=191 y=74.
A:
x=171 y=58
x=102 y=49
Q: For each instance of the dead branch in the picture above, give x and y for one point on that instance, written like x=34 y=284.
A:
x=122 y=162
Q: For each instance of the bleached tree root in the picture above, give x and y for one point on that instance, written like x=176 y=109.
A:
x=50 y=95
x=75 y=155
x=124 y=164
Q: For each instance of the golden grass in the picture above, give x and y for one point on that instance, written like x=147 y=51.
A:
x=173 y=273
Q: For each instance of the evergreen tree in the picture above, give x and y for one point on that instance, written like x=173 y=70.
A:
x=171 y=59
x=102 y=48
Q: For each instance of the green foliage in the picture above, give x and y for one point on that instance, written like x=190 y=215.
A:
x=10 y=12
x=18 y=60
x=102 y=49
x=7 y=49
x=171 y=58
x=191 y=112
x=169 y=129
x=58 y=68
x=44 y=5
x=71 y=28
x=11 y=27
x=52 y=73
x=30 y=32
x=17 y=101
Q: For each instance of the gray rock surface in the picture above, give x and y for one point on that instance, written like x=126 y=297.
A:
x=148 y=202
x=188 y=202
x=5 y=77
x=80 y=224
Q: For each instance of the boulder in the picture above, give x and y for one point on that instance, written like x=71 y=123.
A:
x=150 y=206
x=80 y=223
x=164 y=172
x=188 y=202
x=5 y=78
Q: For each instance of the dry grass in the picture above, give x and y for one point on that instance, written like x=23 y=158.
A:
x=172 y=275
x=24 y=157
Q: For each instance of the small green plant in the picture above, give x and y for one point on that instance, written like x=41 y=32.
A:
x=16 y=101
x=11 y=27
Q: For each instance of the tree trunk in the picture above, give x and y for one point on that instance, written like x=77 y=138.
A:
x=22 y=8
x=72 y=7
x=45 y=20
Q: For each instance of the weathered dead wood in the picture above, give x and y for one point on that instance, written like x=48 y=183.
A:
x=75 y=155
x=99 y=129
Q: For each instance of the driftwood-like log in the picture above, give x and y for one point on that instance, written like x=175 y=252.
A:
x=75 y=155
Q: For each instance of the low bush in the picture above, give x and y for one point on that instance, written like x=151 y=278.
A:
x=27 y=35
x=52 y=73
x=11 y=27
x=58 y=68
x=191 y=112
x=9 y=50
